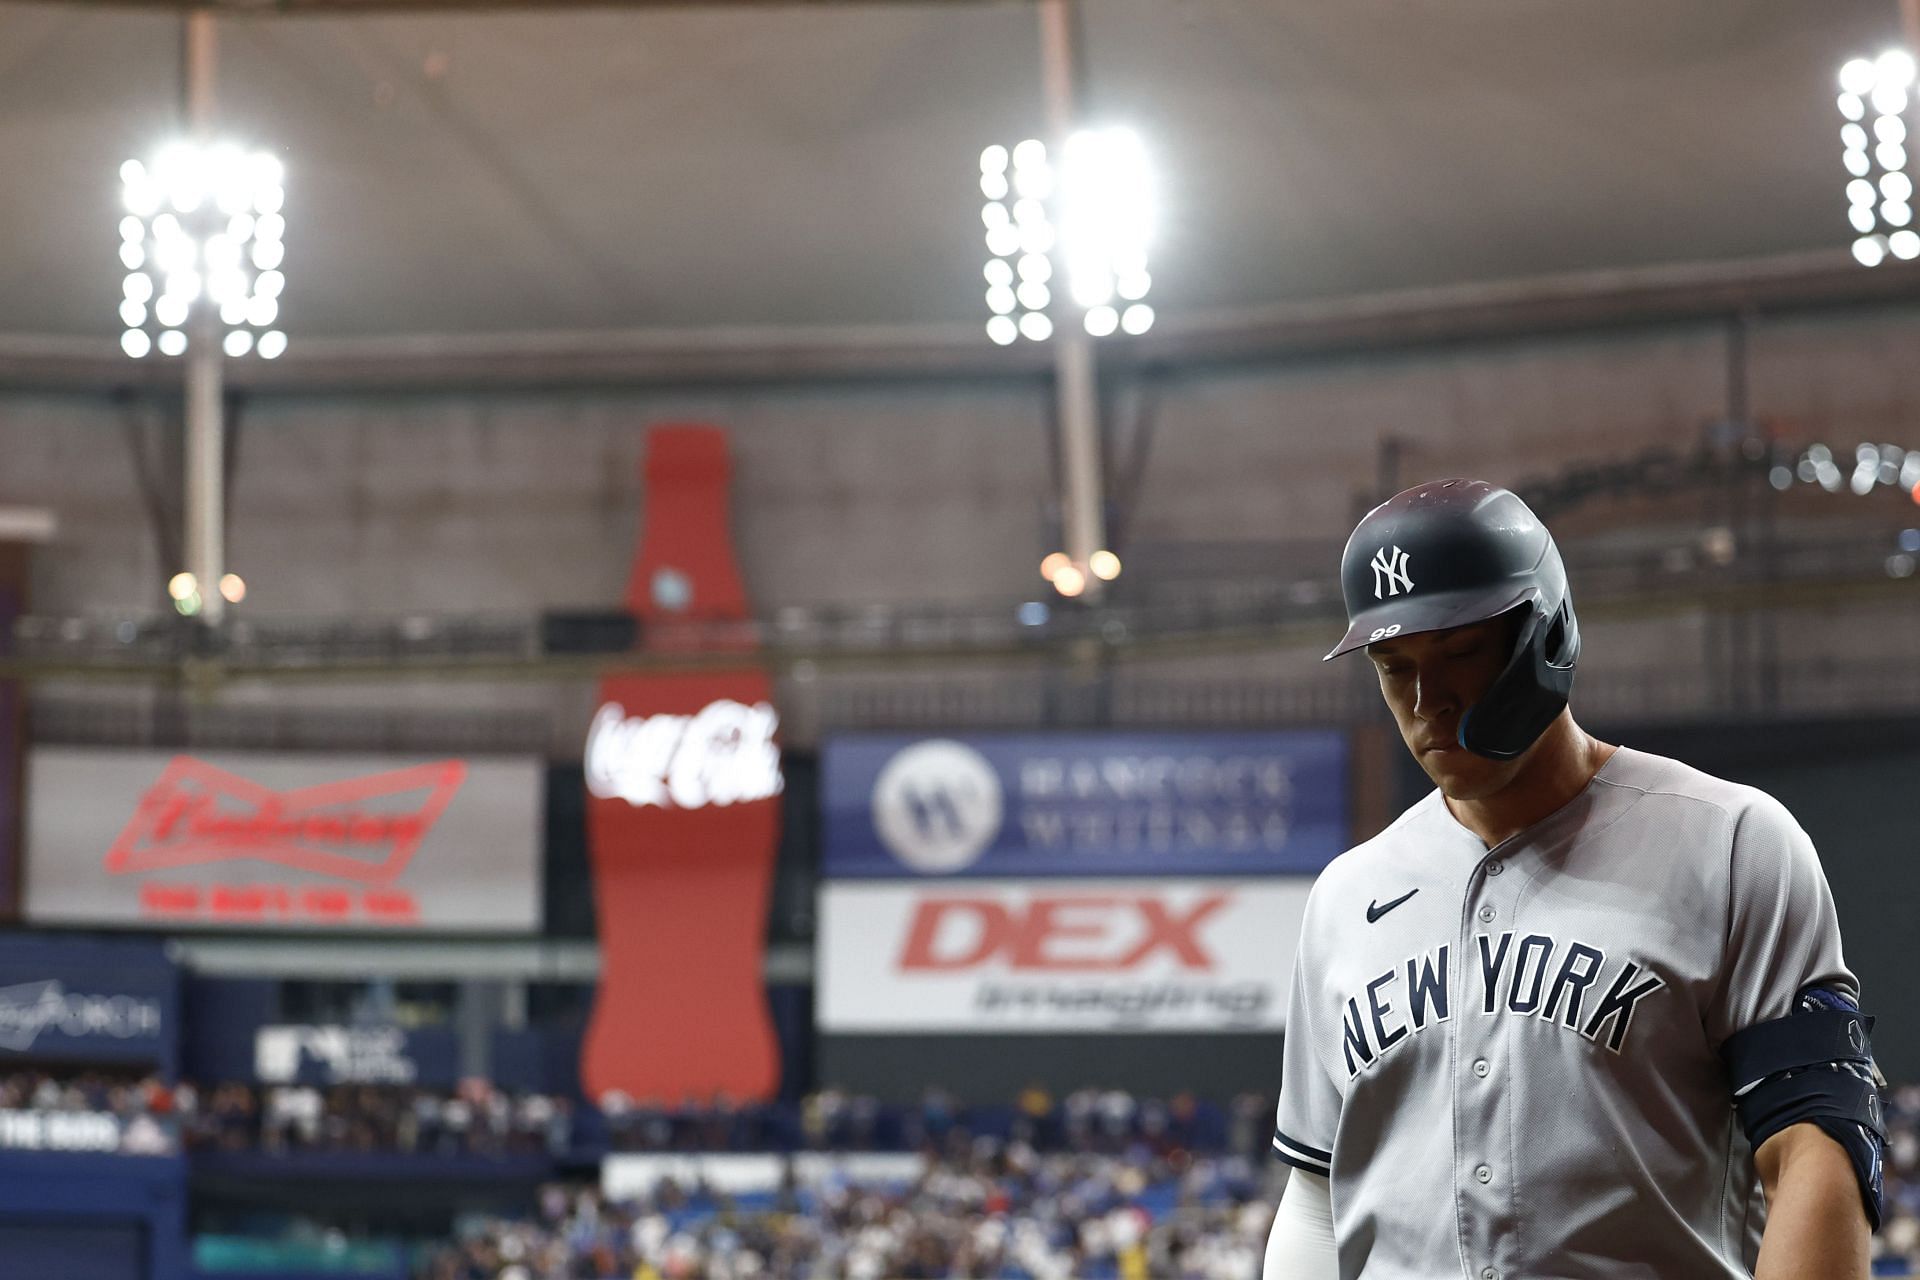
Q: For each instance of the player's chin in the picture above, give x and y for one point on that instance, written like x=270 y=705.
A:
x=1460 y=774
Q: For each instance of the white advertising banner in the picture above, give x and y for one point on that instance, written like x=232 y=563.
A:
x=282 y=841
x=629 y=1175
x=1058 y=955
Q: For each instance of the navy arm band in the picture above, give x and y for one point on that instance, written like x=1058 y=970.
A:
x=1799 y=1040
x=1814 y=1066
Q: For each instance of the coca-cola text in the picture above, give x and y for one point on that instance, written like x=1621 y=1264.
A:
x=723 y=754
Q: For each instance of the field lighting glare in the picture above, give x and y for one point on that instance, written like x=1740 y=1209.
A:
x=205 y=221
x=1106 y=215
x=1074 y=234
x=1036 y=326
x=1874 y=94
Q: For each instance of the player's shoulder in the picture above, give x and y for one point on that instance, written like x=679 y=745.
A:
x=1661 y=780
x=1404 y=842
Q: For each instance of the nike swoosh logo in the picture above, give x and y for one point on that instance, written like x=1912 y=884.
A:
x=1375 y=910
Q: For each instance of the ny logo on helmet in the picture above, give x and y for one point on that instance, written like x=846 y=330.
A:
x=1390 y=573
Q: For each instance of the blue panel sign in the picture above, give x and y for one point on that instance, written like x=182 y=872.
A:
x=1084 y=804
x=80 y=1000
x=381 y=1054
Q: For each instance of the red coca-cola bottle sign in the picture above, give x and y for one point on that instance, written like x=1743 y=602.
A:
x=683 y=815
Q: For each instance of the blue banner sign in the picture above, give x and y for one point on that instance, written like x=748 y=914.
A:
x=993 y=805
x=326 y=1055
x=83 y=1000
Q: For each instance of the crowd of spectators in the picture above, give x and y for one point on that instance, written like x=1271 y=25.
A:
x=141 y=1110
x=1086 y=1120
x=1897 y=1246
x=1098 y=1184
x=1113 y=1199
x=474 y=1119
x=120 y=1095
x=994 y=1211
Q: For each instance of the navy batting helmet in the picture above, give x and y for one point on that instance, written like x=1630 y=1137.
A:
x=1453 y=552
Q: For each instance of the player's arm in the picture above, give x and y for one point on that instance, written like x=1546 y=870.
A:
x=1816 y=1224
x=1799 y=1056
x=1300 y=1246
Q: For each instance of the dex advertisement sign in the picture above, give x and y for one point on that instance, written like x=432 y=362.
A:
x=1084 y=804
x=1058 y=956
x=282 y=841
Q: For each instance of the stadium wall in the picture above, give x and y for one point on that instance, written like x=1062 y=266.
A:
x=891 y=492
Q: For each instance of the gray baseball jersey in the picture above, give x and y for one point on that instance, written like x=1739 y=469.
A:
x=1507 y=1061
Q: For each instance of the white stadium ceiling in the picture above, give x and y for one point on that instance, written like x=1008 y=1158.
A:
x=560 y=170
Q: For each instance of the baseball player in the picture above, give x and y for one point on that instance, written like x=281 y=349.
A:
x=1581 y=1011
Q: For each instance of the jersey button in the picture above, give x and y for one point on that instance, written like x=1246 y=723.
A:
x=1488 y=1273
x=1480 y=1068
x=1483 y=1174
x=1486 y=914
x=1495 y=868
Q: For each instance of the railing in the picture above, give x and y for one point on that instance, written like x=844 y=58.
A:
x=1025 y=700
x=1036 y=663
x=1165 y=611
x=97 y=719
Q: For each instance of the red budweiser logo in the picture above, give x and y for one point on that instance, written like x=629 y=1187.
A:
x=199 y=814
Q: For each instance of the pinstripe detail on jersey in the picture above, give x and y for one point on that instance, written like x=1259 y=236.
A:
x=1302 y=1156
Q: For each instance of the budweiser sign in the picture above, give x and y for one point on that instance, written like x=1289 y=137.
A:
x=302 y=840
x=364 y=830
x=724 y=754
x=197 y=813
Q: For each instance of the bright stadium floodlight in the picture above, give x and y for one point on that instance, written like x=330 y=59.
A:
x=1016 y=183
x=1069 y=219
x=1076 y=234
x=201 y=231
x=1874 y=153
x=1106 y=222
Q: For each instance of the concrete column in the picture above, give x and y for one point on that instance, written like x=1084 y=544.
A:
x=1075 y=377
x=205 y=505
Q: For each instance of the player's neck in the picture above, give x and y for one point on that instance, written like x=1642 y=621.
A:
x=1557 y=769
